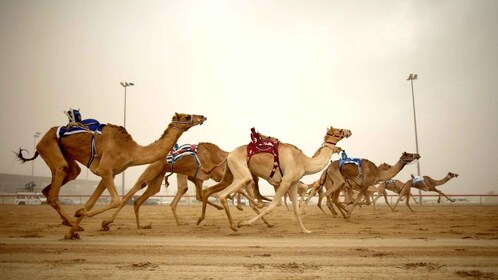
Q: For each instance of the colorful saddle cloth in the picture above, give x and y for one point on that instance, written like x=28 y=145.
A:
x=88 y=125
x=178 y=152
x=417 y=179
x=345 y=159
x=259 y=144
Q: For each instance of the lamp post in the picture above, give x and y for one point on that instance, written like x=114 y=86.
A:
x=411 y=78
x=36 y=135
x=125 y=85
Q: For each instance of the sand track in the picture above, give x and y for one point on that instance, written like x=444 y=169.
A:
x=448 y=242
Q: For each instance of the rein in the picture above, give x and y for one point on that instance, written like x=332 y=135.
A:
x=182 y=122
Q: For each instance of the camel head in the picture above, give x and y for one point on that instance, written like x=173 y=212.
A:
x=334 y=135
x=408 y=157
x=384 y=166
x=185 y=121
x=452 y=175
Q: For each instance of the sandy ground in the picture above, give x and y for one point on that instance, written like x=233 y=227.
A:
x=435 y=242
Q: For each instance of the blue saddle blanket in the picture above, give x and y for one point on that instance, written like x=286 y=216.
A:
x=345 y=159
x=179 y=152
x=88 y=125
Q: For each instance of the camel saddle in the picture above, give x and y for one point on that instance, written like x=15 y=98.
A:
x=259 y=144
x=85 y=126
x=345 y=160
x=88 y=125
x=178 y=152
x=417 y=179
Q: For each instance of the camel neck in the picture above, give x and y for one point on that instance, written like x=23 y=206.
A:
x=319 y=160
x=391 y=172
x=159 y=149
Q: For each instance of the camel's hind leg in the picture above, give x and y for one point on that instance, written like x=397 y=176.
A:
x=237 y=184
x=62 y=172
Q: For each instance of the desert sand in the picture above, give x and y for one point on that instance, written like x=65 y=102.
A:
x=435 y=242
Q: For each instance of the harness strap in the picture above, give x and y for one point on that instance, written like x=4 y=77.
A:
x=93 y=150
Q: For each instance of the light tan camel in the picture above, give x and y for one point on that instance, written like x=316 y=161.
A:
x=294 y=164
x=115 y=150
x=209 y=155
x=371 y=175
x=395 y=186
x=428 y=185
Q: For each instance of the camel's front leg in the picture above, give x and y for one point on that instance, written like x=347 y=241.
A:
x=442 y=194
x=293 y=196
x=223 y=184
x=138 y=186
x=282 y=189
x=108 y=183
x=152 y=189
x=254 y=206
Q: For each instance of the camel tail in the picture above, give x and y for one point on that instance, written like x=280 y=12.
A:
x=21 y=158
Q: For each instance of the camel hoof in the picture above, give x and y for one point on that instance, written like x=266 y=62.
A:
x=219 y=207
x=234 y=228
x=105 y=225
x=149 y=226
x=242 y=223
x=307 y=231
x=239 y=207
x=72 y=236
x=270 y=225
x=199 y=221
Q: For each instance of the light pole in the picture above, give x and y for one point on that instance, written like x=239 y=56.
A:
x=412 y=77
x=125 y=85
x=36 y=135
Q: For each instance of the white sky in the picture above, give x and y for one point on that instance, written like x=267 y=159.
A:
x=288 y=68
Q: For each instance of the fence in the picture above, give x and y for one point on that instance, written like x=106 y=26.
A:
x=427 y=199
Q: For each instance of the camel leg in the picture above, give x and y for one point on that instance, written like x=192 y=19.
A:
x=107 y=183
x=223 y=184
x=224 y=194
x=404 y=191
x=182 y=187
x=62 y=172
x=254 y=205
x=153 y=188
x=88 y=205
x=408 y=203
x=293 y=196
x=441 y=193
x=282 y=189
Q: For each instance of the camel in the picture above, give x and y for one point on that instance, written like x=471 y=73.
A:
x=187 y=167
x=428 y=184
x=106 y=155
x=318 y=186
x=395 y=186
x=370 y=175
x=294 y=164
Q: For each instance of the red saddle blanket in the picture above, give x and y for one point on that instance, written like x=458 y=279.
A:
x=260 y=144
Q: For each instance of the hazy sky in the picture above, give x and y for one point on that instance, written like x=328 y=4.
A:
x=289 y=68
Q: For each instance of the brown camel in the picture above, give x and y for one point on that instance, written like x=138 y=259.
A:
x=370 y=175
x=318 y=187
x=428 y=184
x=293 y=166
x=208 y=154
x=113 y=151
